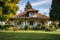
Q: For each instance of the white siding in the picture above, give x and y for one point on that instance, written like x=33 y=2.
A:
x=28 y=23
x=23 y=24
x=32 y=14
x=49 y=22
x=35 y=24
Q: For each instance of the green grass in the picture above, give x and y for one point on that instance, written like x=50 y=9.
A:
x=30 y=35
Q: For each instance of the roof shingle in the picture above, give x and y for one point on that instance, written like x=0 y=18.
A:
x=24 y=14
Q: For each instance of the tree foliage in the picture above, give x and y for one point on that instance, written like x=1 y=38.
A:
x=28 y=6
x=55 y=10
x=8 y=9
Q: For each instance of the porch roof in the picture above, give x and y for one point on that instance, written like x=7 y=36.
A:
x=32 y=18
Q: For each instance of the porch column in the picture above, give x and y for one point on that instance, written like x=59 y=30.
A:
x=35 y=23
x=15 y=23
x=45 y=23
x=24 y=24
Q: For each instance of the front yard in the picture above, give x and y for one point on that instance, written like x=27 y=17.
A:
x=30 y=35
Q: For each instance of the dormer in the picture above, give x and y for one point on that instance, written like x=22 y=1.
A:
x=32 y=12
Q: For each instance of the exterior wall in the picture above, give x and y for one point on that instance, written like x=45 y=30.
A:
x=34 y=24
x=47 y=23
x=31 y=14
x=2 y=22
x=28 y=23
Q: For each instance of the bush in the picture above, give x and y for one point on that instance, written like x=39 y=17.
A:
x=1 y=26
x=50 y=28
x=27 y=27
x=43 y=27
x=9 y=28
x=40 y=26
x=16 y=28
x=55 y=25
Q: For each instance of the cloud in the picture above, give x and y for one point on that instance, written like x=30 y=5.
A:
x=45 y=11
x=41 y=2
x=21 y=7
x=36 y=5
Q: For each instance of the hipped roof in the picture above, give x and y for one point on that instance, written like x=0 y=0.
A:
x=24 y=14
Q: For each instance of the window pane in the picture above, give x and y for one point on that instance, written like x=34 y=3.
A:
x=31 y=23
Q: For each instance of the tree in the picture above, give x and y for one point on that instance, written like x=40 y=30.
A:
x=28 y=6
x=8 y=9
x=55 y=10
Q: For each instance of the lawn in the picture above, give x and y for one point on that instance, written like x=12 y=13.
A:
x=30 y=35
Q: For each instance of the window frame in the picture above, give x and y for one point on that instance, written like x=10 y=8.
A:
x=31 y=23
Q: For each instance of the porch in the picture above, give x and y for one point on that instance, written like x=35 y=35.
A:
x=32 y=22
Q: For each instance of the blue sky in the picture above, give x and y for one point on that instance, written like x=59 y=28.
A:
x=42 y=5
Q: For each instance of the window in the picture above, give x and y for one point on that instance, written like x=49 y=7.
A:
x=20 y=22
x=31 y=14
x=31 y=23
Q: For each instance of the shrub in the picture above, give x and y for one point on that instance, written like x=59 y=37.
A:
x=43 y=27
x=40 y=26
x=16 y=28
x=1 y=26
x=50 y=28
x=12 y=28
x=27 y=27
x=55 y=24
x=8 y=28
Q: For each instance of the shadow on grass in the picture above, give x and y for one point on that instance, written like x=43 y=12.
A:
x=28 y=36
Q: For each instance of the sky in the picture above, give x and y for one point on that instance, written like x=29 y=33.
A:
x=42 y=5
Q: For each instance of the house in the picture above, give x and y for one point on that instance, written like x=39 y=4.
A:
x=30 y=17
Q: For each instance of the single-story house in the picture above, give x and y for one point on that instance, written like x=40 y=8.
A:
x=30 y=17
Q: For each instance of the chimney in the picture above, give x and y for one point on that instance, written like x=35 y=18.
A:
x=44 y=13
x=20 y=10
